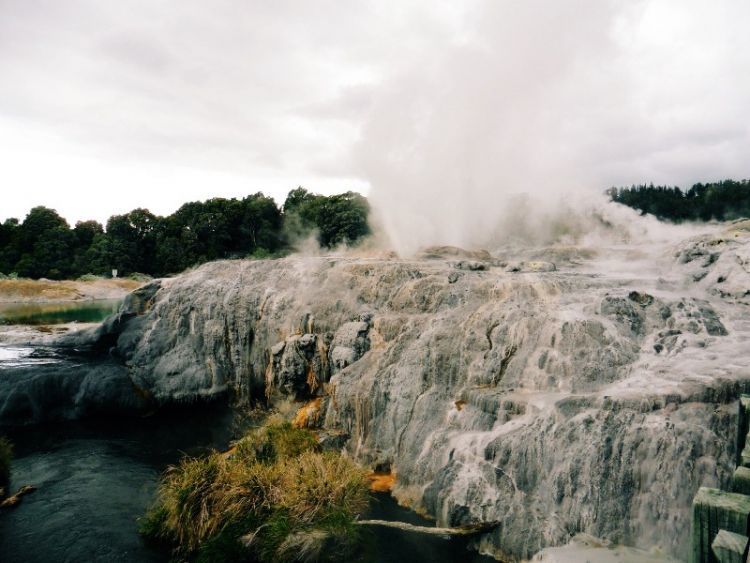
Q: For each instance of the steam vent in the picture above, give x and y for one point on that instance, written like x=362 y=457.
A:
x=549 y=399
x=431 y=281
x=721 y=520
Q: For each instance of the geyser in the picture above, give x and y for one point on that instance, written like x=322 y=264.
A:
x=549 y=393
x=509 y=114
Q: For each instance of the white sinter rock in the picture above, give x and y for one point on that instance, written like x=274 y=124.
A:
x=555 y=392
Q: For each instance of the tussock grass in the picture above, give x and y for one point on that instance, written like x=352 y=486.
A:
x=25 y=288
x=273 y=497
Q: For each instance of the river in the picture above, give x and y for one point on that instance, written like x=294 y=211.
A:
x=95 y=477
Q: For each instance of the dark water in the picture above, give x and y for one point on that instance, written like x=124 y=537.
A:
x=57 y=313
x=96 y=477
x=388 y=545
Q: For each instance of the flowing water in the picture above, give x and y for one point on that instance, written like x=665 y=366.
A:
x=96 y=477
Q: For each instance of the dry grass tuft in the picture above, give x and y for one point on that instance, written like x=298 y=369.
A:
x=22 y=289
x=34 y=288
x=315 y=483
x=275 y=495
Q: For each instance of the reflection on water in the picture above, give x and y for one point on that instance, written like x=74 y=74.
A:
x=10 y=354
x=17 y=356
x=95 y=478
x=387 y=545
x=57 y=313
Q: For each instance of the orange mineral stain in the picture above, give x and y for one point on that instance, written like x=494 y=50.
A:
x=307 y=416
x=381 y=482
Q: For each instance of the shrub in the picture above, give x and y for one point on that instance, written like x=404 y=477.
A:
x=274 y=495
x=287 y=441
x=260 y=254
x=89 y=278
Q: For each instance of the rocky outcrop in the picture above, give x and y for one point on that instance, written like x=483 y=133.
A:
x=588 y=398
x=66 y=387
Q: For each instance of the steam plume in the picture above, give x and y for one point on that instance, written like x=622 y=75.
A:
x=553 y=102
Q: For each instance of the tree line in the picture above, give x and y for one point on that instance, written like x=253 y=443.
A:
x=44 y=245
x=724 y=200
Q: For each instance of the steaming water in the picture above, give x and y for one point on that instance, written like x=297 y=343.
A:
x=95 y=478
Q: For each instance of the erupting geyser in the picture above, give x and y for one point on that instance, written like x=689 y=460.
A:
x=557 y=391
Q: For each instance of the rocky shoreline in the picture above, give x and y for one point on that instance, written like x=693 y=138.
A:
x=584 y=399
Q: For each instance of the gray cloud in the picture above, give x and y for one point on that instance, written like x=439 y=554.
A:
x=444 y=110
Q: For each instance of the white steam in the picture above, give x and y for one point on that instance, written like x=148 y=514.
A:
x=513 y=117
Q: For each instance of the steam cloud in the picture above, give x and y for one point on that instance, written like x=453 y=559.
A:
x=448 y=111
x=517 y=113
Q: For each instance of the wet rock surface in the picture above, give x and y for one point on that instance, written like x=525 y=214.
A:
x=589 y=398
x=48 y=386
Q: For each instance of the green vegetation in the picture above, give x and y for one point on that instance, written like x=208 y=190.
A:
x=273 y=497
x=337 y=219
x=728 y=199
x=44 y=245
x=6 y=455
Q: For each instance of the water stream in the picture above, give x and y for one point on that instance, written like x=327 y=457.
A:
x=97 y=476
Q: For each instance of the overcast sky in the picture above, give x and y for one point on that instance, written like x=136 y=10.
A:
x=436 y=111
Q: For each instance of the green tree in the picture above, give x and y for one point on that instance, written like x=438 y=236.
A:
x=132 y=241
x=261 y=224
x=44 y=245
x=727 y=199
x=84 y=234
x=337 y=219
x=8 y=254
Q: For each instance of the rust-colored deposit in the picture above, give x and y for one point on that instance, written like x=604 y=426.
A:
x=312 y=378
x=381 y=482
x=308 y=416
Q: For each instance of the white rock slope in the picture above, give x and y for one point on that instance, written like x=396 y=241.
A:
x=554 y=392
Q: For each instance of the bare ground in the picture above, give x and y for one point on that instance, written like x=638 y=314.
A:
x=47 y=291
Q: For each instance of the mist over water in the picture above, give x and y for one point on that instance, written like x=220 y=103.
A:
x=510 y=117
